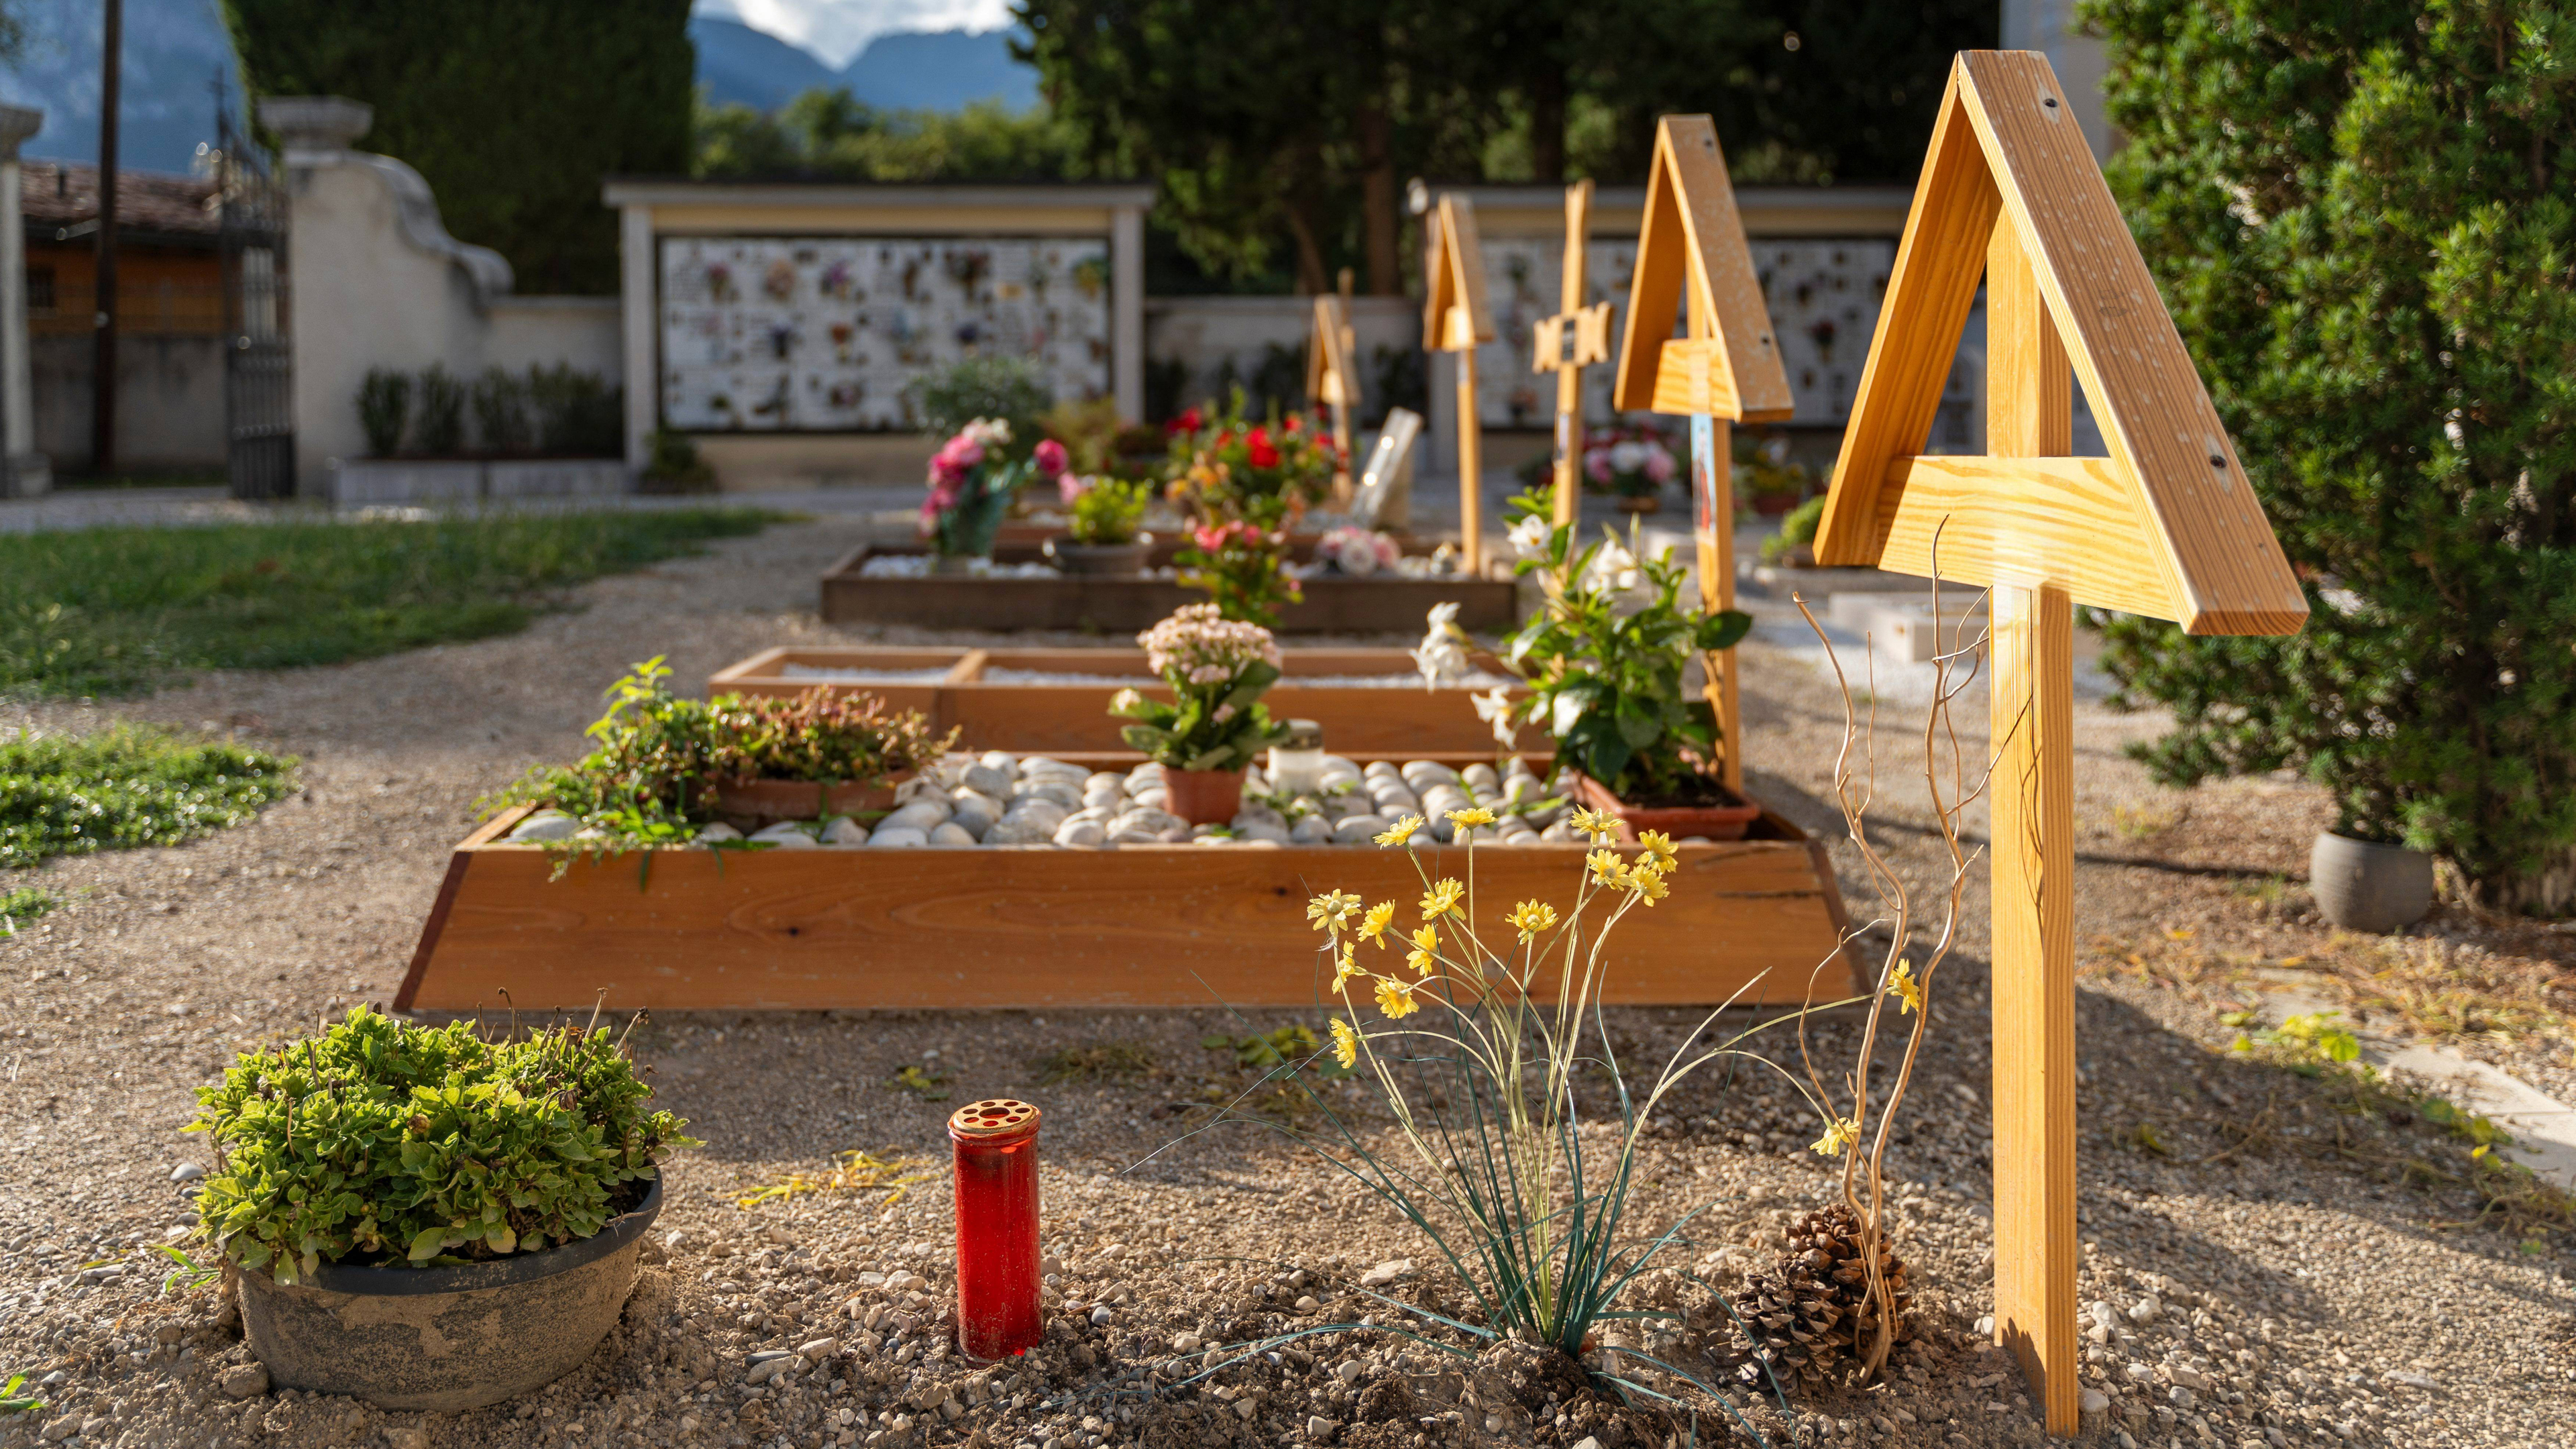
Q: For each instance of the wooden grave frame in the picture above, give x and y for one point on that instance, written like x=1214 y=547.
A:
x=1725 y=368
x=1457 y=318
x=1331 y=382
x=2166 y=525
x=1565 y=344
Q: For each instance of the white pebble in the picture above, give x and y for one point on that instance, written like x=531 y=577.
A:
x=844 y=831
x=985 y=778
x=1353 y=829
x=186 y=1172
x=719 y=831
x=1080 y=832
x=546 y=825
x=785 y=836
x=899 y=835
x=951 y=833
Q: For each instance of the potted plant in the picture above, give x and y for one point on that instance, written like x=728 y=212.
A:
x=1358 y=552
x=1765 y=478
x=972 y=482
x=1215 y=725
x=1224 y=468
x=1631 y=463
x=1244 y=568
x=425 y=1219
x=1102 y=516
x=1605 y=678
x=1794 y=546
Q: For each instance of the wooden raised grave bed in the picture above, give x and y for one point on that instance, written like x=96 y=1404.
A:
x=1379 y=604
x=1004 y=699
x=1042 y=926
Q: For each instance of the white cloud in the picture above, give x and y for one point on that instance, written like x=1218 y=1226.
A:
x=839 y=29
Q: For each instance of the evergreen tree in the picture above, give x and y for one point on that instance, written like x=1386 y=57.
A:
x=513 y=111
x=2360 y=213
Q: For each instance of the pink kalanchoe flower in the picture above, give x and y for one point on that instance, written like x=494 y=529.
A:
x=1659 y=464
x=1596 y=465
x=1049 y=458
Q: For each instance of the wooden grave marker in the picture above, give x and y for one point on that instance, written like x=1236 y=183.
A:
x=1724 y=369
x=1565 y=344
x=1331 y=382
x=1457 y=318
x=2166 y=525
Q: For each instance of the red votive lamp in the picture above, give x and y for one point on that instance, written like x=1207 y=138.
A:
x=997 y=1228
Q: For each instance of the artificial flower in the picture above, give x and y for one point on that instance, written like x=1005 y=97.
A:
x=1400 y=832
x=1474 y=816
x=1395 y=998
x=1346 y=1044
x=1839 y=1134
x=1442 y=899
x=1423 y=956
x=1532 y=917
x=1909 y=991
x=1373 y=926
x=1331 y=910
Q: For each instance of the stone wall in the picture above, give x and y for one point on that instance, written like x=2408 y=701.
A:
x=169 y=401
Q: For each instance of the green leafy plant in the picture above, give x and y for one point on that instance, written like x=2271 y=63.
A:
x=1102 y=510
x=501 y=413
x=1218 y=670
x=125 y=786
x=189 y=1274
x=577 y=414
x=672 y=465
x=1605 y=676
x=14 y=1402
x=440 y=429
x=2361 y=219
x=1244 y=568
x=384 y=406
x=23 y=906
x=929 y=1084
x=1292 y=1045
x=1006 y=389
x=377 y=1141
x=1797 y=527
x=1100 y=1062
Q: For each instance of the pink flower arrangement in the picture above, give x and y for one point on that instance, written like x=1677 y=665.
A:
x=1198 y=645
x=1048 y=458
x=1358 y=551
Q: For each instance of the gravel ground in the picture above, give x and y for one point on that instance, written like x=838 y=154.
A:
x=2265 y=1295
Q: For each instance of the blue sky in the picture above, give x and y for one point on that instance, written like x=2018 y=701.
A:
x=837 y=29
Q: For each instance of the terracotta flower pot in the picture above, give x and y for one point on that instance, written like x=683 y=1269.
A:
x=1203 y=797
x=443 y=1339
x=1717 y=822
x=769 y=801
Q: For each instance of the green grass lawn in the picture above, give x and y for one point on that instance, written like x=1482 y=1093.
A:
x=121 y=787
x=114 y=610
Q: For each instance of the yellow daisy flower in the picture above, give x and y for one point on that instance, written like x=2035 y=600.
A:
x=1442 y=899
x=1532 y=917
x=1839 y=1134
x=1395 y=998
x=1423 y=957
x=1909 y=992
x=1659 y=847
x=1400 y=832
x=1595 y=823
x=1346 y=1043
x=1648 y=883
x=1607 y=868
x=1373 y=925
x=1345 y=968
x=1477 y=816
x=1332 y=910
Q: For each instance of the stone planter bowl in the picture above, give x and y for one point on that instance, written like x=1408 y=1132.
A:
x=1120 y=560
x=442 y=1339
x=2364 y=886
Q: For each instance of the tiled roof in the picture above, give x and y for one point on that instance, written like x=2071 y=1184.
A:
x=60 y=194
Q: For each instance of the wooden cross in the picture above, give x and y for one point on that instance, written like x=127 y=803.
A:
x=1456 y=318
x=1330 y=381
x=1565 y=344
x=2166 y=526
x=1725 y=368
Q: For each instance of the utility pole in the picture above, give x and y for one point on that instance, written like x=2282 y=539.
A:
x=102 y=445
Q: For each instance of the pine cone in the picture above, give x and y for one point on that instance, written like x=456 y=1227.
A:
x=1806 y=1316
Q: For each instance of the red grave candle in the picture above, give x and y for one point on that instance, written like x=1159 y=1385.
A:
x=997 y=1228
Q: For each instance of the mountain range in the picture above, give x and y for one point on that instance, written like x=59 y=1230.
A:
x=176 y=52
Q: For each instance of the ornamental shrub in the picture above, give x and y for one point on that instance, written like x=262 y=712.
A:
x=2364 y=219
x=382 y=1142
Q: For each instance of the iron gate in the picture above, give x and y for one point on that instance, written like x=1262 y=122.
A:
x=259 y=375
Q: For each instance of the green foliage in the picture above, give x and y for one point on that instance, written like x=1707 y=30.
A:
x=1606 y=680
x=928 y=1084
x=113 y=610
x=672 y=465
x=501 y=412
x=2310 y=1039
x=1797 y=526
x=2362 y=218
x=1100 y=1062
x=829 y=134
x=1295 y=1046
x=384 y=409
x=14 y=1402
x=656 y=759
x=577 y=413
x=24 y=906
x=440 y=432
x=378 y=1141
x=1107 y=511
x=1244 y=568
x=511 y=111
x=123 y=787
x=989 y=386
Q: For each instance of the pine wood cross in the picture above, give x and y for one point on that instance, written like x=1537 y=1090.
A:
x=1565 y=344
x=2165 y=526
x=1331 y=383
x=1457 y=318
x=1725 y=368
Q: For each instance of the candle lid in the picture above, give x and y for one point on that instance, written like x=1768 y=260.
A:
x=1305 y=734
x=993 y=1119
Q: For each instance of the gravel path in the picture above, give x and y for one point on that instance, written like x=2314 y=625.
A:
x=2271 y=1296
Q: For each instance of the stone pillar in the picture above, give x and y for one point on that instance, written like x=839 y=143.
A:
x=24 y=472
x=639 y=271
x=1127 y=311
